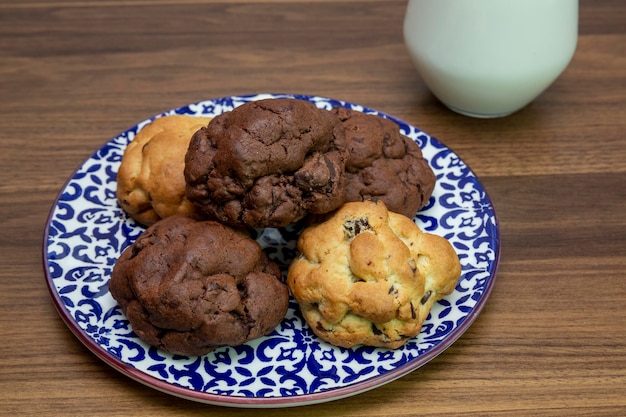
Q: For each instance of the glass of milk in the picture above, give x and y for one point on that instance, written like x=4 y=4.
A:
x=490 y=58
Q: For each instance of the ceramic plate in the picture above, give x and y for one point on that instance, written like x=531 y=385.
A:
x=87 y=230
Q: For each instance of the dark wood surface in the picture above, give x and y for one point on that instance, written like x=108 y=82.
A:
x=550 y=341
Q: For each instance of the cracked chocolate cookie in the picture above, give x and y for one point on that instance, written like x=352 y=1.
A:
x=267 y=163
x=191 y=286
x=369 y=276
x=150 y=180
x=383 y=164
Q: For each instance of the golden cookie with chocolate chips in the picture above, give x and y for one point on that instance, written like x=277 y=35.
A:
x=369 y=276
x=150 y=180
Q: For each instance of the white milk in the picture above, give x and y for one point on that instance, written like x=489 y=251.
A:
x=489 y=58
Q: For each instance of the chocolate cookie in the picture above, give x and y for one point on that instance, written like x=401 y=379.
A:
x=150 y=180
x=383 y=164
x=369 y=276
x=189 y=287
x=267 y=163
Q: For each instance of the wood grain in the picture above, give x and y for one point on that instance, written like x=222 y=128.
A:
x=551 y=339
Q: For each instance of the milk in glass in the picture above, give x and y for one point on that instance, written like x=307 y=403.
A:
x=489 y=58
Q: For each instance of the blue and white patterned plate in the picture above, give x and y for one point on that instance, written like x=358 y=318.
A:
x=87 y=230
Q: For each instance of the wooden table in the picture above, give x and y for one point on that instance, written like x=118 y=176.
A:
x=551 y=340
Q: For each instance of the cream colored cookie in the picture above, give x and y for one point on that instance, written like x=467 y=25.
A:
x=368 y=276
x=150 y=180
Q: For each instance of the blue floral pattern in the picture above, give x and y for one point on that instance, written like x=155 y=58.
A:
x=87 y=230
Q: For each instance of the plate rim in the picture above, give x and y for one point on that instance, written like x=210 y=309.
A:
x=331 y=394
